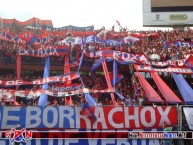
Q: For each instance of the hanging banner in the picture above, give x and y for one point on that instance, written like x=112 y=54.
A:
x=143 y=68
x=113 y=42
x=119 y=117
x=151 y=94
x=44 y=52
x=178 y=44
x=33 y=94
x=72 y=40
x=96 y=137
x=179 y=62
x=52 y=79
x=130 y=39
x=66 y=88
x=117 y=54
x=188 y=111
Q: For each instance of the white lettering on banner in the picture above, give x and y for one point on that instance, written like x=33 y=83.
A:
x=33 y=94
x=142 y=58
x=79 y=117
x=52 y=79
x=7 y=94
x=45 y=52
x=185 y=44
x=7 y=117
x=10 y=83
x=65 y=88
x=176 y=70
x=108 y=141
x=55 y=52
x=99 y=113
x=125 y=56
x=33 y=118
x=110 y=117
x=69 y=142
x=66 y=78
x=55 y=117
x=26 y=52
x=164 y=115
x=117 y=53
x=99 y=53
x=63 y=115
x=134 y=117
x=33 y=51
x=92 y=141
x=72 y=117
x=20 y=52
x=34 y=142
x=50 y=50
x=40 y=52
x=122 y=142
x=51 y=142
x=3 y=142
x=144 y=119
x=36 y=82
x=17 y=82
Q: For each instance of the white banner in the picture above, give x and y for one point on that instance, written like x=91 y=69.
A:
x=189 y=116
x=72 y=40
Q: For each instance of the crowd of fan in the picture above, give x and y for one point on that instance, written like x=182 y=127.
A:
x=128 y=87
x=152 y=43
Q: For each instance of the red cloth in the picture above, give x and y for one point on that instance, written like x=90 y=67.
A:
x=108 y=80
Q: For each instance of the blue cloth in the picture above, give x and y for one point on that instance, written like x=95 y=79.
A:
x=90 y=99
x=87 y=107
x=184 y=88
x=114 y=72
x=43 y=100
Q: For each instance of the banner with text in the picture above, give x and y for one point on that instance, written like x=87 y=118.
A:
x=52 y=79
x=109 y=117
x=44 y=52
x=9 y=94
x=143 y=68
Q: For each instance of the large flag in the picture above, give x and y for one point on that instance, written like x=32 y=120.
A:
x=115 y=79
x=151 y=94
x=45 y=38
x=167 y=93
x=6 y=36
x=107 y=77
x=86 y=109
x=188 y=111
x=184 y=88
x=43 y=100
x=130 y=39
x=189 y=61
x=26 y=36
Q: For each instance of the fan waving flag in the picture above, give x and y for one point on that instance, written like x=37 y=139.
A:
x=118 y=23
